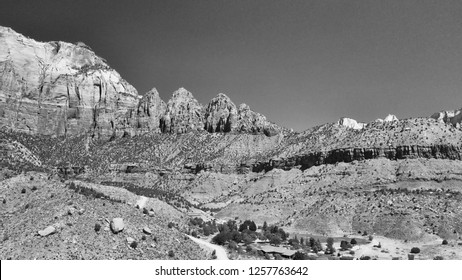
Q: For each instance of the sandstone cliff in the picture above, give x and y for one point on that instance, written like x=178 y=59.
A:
x=58 y=88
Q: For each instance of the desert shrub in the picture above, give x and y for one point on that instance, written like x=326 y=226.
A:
x=4 y=200
x=267 y=256
x=277 y=257
x=232 y=245
x=171 y=254
x=353 y=242
x=144 y=238
x=194 y=233
x=34 y=188
x=365 y=258
x=134 y=244
x=248 y=248
x=145 y=211
x=23 y=190
x=438 y=258
x=445 y=242
x=171 y=225
x=371 y=238
x=214 y=253
x=97 y=227
x=415 y=250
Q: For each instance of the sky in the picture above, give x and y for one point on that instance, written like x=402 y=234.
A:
x=300 y=63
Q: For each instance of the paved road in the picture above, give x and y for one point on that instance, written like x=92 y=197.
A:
x=220 y=251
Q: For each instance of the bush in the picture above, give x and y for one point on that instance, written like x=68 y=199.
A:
x=144 y=238
x=353 y=242
x=34 y=188
x=171 y=225
x=365 y=258
x=23 y=190
x=232 y=245
x=277 y=257
x=145 y=211
x=97 y=227
x=4 y=201
x=134 y=244
x=194 y=233
x=299 y=256
x=415 y=250
x=445 y=242
x=371 y=237
x=438 y=258
x=171 y=254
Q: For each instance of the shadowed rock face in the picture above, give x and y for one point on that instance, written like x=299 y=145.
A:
x=58 y=88
x=150 y=111
x=221 y=114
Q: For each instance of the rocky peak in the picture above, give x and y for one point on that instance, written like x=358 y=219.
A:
x=351 y=123
x=449 y=117
x=150 y=110
x=183 y=113
x=390 y=118
x=220 y=114
x=253 y=122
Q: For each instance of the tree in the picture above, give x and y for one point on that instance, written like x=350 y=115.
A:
x=344 y=245
x=275 y=239
x=330 y=246
x=299 y=256
x=317 y=246
x=302 y=241
x=221 y=238
x=253 y=226
x=265 y=226
x=312 y=241
x=353 y=242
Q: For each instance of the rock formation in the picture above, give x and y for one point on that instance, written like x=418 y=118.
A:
x=58 y=88
x=221 y=114
x=450 y=117
x=183 y=113
x=63 y=89
x=150 y=111
x=351 y=123
x=390 y=118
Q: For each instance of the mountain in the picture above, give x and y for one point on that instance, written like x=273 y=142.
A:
x=64 y=89
x=397 y=178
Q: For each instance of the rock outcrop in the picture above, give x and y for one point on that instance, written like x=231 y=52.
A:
x=221 y=114
x=183 y=113
x=351 y=123
x=390 y=118
x=449 y=117
x=58 y=88
x=150 y=111
x=253 y=122
x=350 y=154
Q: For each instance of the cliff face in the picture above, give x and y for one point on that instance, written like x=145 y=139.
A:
x=183 y=113
x=58 y=88
x=64 y=89
x=348 y=155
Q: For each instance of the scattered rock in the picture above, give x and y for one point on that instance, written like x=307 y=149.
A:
x=130 y=240
x=117 y=225
x=147 y=230
x=47 y=231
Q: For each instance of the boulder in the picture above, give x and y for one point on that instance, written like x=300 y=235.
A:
x=147 y=230
x=351 y=123
x=47 y=231
x=117 y=225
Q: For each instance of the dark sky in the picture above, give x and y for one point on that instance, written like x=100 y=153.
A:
x=300 y=63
